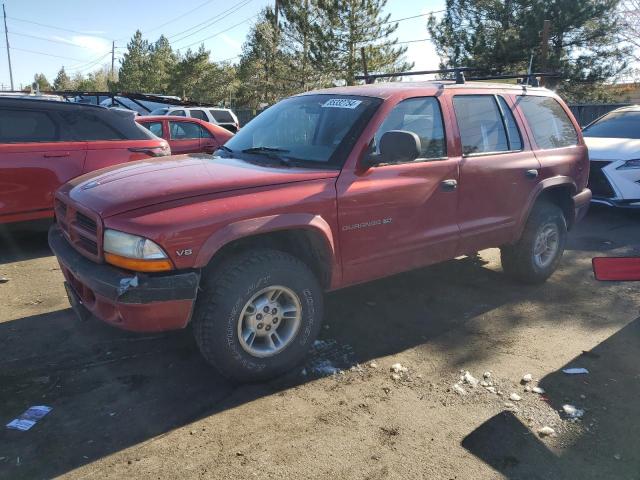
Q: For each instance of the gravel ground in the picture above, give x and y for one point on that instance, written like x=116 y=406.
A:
x=147 y=406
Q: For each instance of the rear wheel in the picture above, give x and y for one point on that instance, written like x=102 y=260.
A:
x=538 y=252
x=258 y=314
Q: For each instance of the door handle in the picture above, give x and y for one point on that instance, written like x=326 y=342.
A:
x=533 y=173
x=449 y=185
x=56 y=154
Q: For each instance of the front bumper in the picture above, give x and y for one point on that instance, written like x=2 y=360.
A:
x=128 y=300
x=581 y=203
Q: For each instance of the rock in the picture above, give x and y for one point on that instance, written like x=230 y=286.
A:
x=583 y=396
x=546 y=431
x=486 y=375
x=469 y=379
x=459 y=390
x=373 y=365
x=539 y=390
x=398 y=368
x=527 y=388
x=491 y=389
x=396 y=376
x=617 y=456
x=572 y=411
x=527 y=377
x=515 y=397
x=509 y=405
x=4 y=279
x=499 y=393
x=485 y=384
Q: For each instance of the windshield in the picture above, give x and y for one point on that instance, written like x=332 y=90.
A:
x=615 y=125
x=313 y=129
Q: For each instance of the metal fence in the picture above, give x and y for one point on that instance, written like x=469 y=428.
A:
x=586 y=113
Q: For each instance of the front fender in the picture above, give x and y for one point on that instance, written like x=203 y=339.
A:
x=261 y=225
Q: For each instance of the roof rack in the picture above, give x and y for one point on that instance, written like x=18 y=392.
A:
x=529 y=78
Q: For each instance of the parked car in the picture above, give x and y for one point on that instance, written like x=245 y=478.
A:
x=218 y=116
x=43 y=144
x=614 y=149
x=322 y=191
x=186 y=135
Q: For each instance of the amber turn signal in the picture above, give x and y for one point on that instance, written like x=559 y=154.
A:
x=137 y=265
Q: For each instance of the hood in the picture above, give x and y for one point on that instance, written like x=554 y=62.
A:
x=139 y=184
x=612 y=148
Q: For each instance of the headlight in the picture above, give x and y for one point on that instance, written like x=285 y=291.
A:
x=134 y=253
x=630 y=164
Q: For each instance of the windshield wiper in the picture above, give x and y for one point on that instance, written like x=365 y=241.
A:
x=265 y=150
x=225 y=148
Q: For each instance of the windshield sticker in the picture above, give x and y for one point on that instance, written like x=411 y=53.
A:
x=342 y=103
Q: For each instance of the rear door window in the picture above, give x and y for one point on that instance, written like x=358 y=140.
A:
x=482 y=129
x=222 y=116
x=185 y=131
x=24 y=126
x=90 y=126
x=549 y=123
x=421 y=116
x=178 y=113
x=200 y=115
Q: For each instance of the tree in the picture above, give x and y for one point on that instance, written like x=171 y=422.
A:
x=630 y=23
x=62 y=81
x=162 y=61
x=348 y=25
x=499 y=36
x=189 y=73
x=42 y=82
x=135 y=73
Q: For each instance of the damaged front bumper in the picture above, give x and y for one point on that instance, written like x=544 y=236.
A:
x=128 y=300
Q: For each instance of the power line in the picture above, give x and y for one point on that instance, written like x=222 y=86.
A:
x=223 y=31
x=206 y=2
x=47 y=26
x=415 y=16
x=46 y=54
x=210 y=21
x=47 y=39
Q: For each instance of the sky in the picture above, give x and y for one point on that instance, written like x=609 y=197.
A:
x=45 y=35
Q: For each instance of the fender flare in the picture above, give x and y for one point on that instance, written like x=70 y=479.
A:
x=541 y=187
x=261 y=225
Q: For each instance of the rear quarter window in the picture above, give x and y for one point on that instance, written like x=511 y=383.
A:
x=222 y=116
x=25 y=126
x=98 y=125
x=549 y=123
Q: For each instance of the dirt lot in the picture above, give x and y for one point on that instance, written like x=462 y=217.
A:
x=142 y=406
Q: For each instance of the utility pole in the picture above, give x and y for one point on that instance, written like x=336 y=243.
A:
x=6 y=36
x=113 y=59
x=544 y=48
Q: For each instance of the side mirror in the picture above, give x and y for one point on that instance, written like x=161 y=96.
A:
x=396 y=146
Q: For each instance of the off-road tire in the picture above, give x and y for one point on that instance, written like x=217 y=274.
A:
x=225 y=292
x=518 y=259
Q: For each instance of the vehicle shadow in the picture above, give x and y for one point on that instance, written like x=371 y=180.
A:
x=111 y=390
x=606 y=446
x=24 y=241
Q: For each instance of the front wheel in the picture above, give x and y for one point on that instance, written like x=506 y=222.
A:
x=258 y=314
x=538 y=252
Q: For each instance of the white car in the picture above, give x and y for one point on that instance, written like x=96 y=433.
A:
x=218 y=116
x=614 y=150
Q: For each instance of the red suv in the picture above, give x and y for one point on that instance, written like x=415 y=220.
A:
x=45 y=143
x=186 y=135
x=321 y=191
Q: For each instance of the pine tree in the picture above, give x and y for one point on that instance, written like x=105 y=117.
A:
x=162 y=61
x=501 y=35
x=62 y=81
x=189 y=73
x=349 y=25
x=135 y=73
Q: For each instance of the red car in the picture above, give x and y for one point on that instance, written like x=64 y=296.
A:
x=186 y=135
x=45 y=143
x=319 y=192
